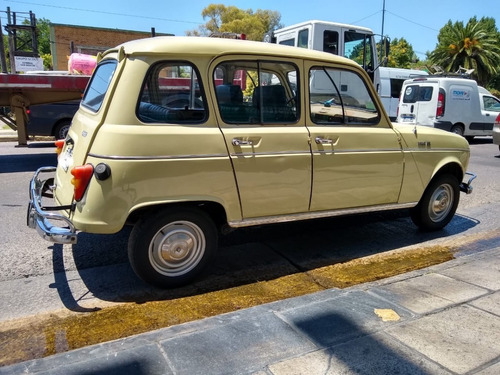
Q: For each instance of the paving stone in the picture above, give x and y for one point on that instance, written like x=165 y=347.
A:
x=485 y=273
x=428 y=292
x=375 y=354
x=240 y=347
x=340 y=319
x=459 y=339
x=490 y=303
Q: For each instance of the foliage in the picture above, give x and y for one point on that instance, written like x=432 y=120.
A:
x=401 y=54
x=223 y=18
x=475 y=45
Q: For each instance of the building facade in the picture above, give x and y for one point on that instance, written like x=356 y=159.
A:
x=68 y=39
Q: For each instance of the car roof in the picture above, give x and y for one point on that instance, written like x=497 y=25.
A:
x=191 y=45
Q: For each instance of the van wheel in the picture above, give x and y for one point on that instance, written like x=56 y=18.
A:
x=61 y=129
x=171 y=248
x=458 y=129
x=438 y=204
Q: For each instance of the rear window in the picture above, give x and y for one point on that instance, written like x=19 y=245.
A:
x=416 y=93
x=94 y=94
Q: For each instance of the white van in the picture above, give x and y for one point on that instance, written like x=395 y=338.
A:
x=455 y=104
x=391 y=82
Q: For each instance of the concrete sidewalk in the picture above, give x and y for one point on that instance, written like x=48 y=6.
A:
x=441 y=320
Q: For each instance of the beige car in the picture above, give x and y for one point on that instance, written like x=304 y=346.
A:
x=182 y=136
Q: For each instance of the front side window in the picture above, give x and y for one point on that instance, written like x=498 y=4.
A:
x=94 y=94
x=339 y=97
x=172 y=93
x=416 y=93
x=257 y=92
x=491 y=104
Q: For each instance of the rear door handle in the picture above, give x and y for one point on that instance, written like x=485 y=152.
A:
x=241 y=142
x=323 y=141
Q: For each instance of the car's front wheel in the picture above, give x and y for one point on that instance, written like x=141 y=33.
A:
x=171 y=248
x=438 y=204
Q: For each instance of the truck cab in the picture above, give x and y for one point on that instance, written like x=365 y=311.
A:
x=354 y=42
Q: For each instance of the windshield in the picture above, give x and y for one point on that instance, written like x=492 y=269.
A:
x=94 y=94
x=358 y=47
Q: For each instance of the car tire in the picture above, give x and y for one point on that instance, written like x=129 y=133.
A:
x=458 y=129
x=61 y=129
x=170 y=248
x=438 y=204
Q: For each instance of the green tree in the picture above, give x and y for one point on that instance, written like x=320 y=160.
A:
x=401 y=54
x=221 y=18
x=474 y=45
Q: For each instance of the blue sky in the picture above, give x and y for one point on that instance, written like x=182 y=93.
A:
x=416 y=21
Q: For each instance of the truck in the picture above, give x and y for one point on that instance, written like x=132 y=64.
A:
x=454 y=104
x=354 y=42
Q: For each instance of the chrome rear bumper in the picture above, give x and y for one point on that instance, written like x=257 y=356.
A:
x=42 y=218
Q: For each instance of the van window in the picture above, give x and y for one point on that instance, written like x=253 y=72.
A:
x=331 y=42
x=94 y=94
x=491 y=104
x=340 y=97
x=303 y=38
x=172 y=93
x=416 y=93
x=288 y=42
x=396 y=85
x=257 y=92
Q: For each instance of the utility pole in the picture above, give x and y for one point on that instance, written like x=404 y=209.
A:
x=382 y=39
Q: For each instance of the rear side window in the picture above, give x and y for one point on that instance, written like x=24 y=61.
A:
x=257 y=92
x=340 y=97
x=172 y=93
x=94 y=95
x=416 y=93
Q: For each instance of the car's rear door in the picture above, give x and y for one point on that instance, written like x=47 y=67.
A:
x=266 y=138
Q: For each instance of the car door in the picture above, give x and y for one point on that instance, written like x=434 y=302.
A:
x=357 y=156
x=419 y=102
x=490 y=108
x=267 y=141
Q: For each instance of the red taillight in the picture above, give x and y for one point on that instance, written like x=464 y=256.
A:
x=59 y=145
x=81 y=179
x=497 y=121
x=440 y=104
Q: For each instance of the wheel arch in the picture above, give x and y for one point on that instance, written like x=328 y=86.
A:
x=213 y=209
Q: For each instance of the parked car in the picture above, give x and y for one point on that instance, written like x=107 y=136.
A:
x=496 y=132
x=454 y=104
x=53 y=119
x=183 y=136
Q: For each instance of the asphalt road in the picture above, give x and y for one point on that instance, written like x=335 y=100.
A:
x=39 y=277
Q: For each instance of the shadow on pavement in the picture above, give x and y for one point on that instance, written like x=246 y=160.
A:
x=247 y=255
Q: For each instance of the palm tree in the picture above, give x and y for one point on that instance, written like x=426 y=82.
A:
x=473 y=46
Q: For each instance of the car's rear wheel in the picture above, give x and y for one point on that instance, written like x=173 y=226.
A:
x=61 y=129
x=438 y=204
x=171 y=248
